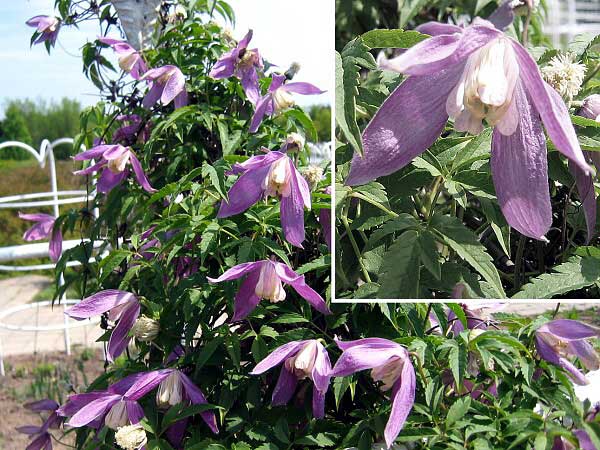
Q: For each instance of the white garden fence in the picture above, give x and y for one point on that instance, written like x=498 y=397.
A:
x=54 y=198
x=568 y=18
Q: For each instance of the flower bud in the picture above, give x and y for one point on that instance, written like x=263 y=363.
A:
x=131 y=437
x=170 y=391
x=117 y=416
x=591 y=108
x=564 y=75
x=294 y=142
x=145 y=329
x=313 y=174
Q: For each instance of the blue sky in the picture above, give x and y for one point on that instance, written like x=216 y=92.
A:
x=284 y=30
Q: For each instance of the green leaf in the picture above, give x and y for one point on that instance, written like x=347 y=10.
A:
x=216 y=178
x=576 y=273
x=181 y=411
x=392 y=38
x=429 y=254
x=465 y=243
x=111 y=262
x=347 y=68
x=305 y=121
x=400 y=269
x=409 y=9
x=458 y=410
x=229 y=142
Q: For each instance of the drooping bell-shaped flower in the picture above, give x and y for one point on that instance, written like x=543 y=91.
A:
x=130 y=60
x=40 y=436
x=560 y=339
x=47 y=27
x=243 y=63
x=43 y=229
x=118 y=405
x=114 y=161
x=473 y=75
x=131 y=131
x=122 y=307
x=301 y=360
x=167 y=85
x=390 y=364
x=279 y=97
x=272 y=174
x=264 y=280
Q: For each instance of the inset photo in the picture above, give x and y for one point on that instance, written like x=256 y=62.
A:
x=468 y=150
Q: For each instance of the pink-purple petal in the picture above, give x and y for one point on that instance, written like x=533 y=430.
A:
x=587 y=195
x=302 y=88
x=279 y=355
x=246 y=299
x=197 y=398
x=119 y=339
x=140 y=176
x=55 y=245
x=287 y=275
x=245 y=192
x=285 y=387
x=237 y=271
x=437 y=28
x=388 y=143
x=93 y=410
x=568 y=329
x=520 y=172
x=99 y=303
x=403 y=399
x=551 y=108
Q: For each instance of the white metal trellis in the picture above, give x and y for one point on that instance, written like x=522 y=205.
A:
x=53 y=198
x=568 y=18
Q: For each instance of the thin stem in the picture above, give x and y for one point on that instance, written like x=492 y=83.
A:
x=556 y=311
x=519 y=262
x=591 y=75
x=524 y=36
x=357 y=252
x=433 y=196
x=374 y=203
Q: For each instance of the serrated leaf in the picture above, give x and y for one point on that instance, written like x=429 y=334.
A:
x=430 y=256
x=465 y=243
x=400 y=269
x=576 y=273
x=347 y=66
x=457 y=410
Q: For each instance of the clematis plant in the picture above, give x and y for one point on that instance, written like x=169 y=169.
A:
x=279 y=97
x=167 y=84
x=114 y=161
x=47 y=28
x=301 y=360
x=271 y=175
x=130 y=60
x=122 y=307
x=118 y=406
x=560 y=339
x=243 y=63
x=264 y=280
x=470 y=75
x=44 y=228
x=41 y=439
x=389 y=363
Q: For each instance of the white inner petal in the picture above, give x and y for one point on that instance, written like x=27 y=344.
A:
x=277 y=181
x=485 y=89
x=269 y=285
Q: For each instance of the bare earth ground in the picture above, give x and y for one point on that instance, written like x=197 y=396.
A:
x=32 y=377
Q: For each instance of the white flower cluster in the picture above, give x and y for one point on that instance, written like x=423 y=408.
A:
x=564 y=74
x=131 y=437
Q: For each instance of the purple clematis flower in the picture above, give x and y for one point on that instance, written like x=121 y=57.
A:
x=559 y=339
x=325 y=221
x=41 y=230
x=130 y=60
x=264 y=280
x=279 y=97
x=115 y=160
x=118 y=405
x=131 y=131
x=41 y=438
x=243 y=64
x=585 y=182
x=167 y=85
x=272 y=174
x=301 y=360
x=390 y=364
x=469 y=75
x=121 y=306
x=47 y=27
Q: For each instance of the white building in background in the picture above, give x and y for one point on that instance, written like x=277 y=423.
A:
x=568 y=18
